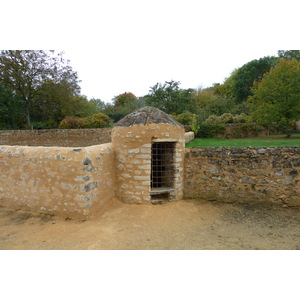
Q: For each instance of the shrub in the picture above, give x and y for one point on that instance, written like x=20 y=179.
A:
x=99 y=121
x=210 y=130
x=70 y=123
x=185 y=118
x=188 y=119
x=213 y=120
x=226 y=118
x=95 y=121
x=242 y=118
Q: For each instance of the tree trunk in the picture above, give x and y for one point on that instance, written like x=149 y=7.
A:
x=27 y=115
x=288 y=135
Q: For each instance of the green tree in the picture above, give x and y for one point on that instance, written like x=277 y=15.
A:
x=51 y=104
x=25 y=72
x=79 y=106
x=238 y=85
x=170 y=98
x=289 y=54
x=211 y=101
x=125 y=103
x=99 y=104
x=276 y=98
x=10 y=109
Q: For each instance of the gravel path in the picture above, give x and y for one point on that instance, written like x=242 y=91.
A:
x=190 y=224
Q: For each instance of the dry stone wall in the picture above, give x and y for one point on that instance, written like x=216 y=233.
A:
x=67 y=181
x=243 y=174
x=56 y=137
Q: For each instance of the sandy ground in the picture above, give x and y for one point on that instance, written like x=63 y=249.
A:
x=190 y=224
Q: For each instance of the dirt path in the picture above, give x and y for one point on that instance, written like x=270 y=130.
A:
x=189 y=224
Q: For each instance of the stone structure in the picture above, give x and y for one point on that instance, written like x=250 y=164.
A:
x=243 y=174
x=149 y=147
x=56 y=137
x=146 y=162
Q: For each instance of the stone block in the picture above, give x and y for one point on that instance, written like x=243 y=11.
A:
x=141 y=177
x=137 y=150
x=143 y=156
x=141 y=188
x=145 y=167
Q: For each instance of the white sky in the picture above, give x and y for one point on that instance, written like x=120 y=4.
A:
x=128 y=46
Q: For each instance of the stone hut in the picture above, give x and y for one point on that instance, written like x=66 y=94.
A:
x=149 y=152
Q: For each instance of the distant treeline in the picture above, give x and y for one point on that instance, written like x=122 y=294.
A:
x=40 y=90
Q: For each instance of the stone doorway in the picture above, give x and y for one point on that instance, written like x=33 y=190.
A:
x=162 y=170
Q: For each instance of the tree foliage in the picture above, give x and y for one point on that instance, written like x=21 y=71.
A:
x=289 y=54
x=212 y=101
x=95 y=121
x=277 y=96
x=170 y=98
x=27 y=72
x=10 y=109
x=124 y=104
x=238 y=85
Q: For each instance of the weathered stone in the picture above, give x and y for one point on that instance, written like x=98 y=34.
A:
x=264 y=181
x=287 y=164
x=77 y=150
x=296 y=163
x=86 y=161
x=202 y=176
x=278 y=172
x=134 y=150
x=267 y=192
x=286 y=181
x=261 y=151
x=247 y=179
x=89 y=168
x=147 y=115
x=294 y=173
x=90 y=186
x=213 y=170
x=276 y=164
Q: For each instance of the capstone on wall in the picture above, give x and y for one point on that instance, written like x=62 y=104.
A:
x=67 y=181
x=243 y=174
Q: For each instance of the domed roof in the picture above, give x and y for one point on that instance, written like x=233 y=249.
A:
x=147 y=115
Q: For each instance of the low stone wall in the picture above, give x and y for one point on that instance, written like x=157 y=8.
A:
x=245 y=130
x=74 y=182
x=56 y=137
x=189 y=136
x=243 y=174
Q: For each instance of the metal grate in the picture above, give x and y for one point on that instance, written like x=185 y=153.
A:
x=162 y=167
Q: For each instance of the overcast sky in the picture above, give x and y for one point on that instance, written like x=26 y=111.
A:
x=128 y=46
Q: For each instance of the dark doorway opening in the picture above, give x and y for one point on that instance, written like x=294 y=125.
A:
x=162 y=166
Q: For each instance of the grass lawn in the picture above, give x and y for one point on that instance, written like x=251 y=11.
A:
x=265 y=141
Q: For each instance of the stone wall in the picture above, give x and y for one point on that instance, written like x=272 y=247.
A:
x=243 y=174
x=56 y=137
x=67 y=181
x=245 y=130
x=189 y=136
